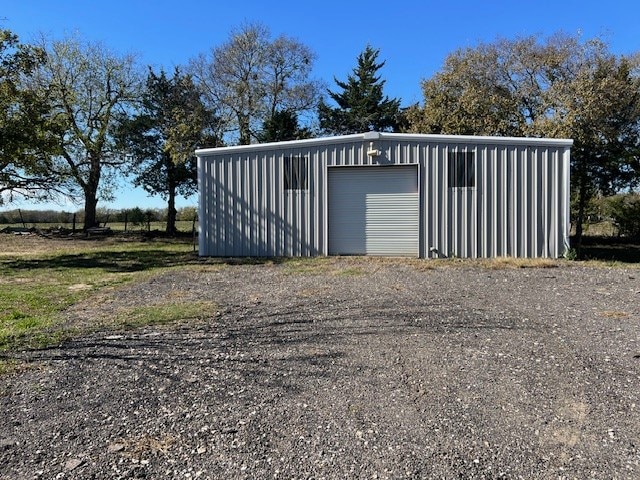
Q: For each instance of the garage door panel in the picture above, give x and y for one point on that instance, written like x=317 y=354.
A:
x=374 y=210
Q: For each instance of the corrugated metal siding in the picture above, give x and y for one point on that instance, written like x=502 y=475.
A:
x=246 y=211
x=374 y=210
x=519 y=205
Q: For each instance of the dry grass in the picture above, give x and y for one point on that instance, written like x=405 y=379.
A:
x=139 y=448
x=510 y=262
x=614 y=314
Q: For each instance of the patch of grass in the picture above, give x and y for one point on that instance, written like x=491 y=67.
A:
x=39 y=278
x=308 y=266
x=614 y=314
x=499 y=263
x=510 y=262
x=161 y=314
x=8 y=366
x=349 y=272
x=343 y=266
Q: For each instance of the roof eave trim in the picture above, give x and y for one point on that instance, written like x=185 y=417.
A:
x=368 y=136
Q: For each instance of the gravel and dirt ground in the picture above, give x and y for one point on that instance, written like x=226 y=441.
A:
x=349 y=368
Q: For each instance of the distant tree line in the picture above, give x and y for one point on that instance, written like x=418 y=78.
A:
x=133 y=216
x=76 y=117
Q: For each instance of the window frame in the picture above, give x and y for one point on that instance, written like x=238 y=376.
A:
x=296 y=172
x=461 y=169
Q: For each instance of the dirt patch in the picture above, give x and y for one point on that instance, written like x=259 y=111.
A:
x=368 y=369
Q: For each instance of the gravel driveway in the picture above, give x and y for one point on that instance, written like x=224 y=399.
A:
x=355 y=368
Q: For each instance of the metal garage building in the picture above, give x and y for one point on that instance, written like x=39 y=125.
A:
x=386 y=194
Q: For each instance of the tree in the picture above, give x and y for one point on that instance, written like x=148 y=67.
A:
x=599 y=107
x=89 y=90
x=556 y=87
x=624 y=211
x=162 y=137
x=361 y=105
x=24 y=126
x=282 y=126
x=250 y=79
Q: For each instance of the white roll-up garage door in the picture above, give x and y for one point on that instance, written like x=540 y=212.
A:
x=374 y=210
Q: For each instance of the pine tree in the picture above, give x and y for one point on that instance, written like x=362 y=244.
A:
x=361 y=104
x=282 y=126
x=171 y=123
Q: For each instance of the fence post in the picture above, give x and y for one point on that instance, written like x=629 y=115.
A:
x=193 y=231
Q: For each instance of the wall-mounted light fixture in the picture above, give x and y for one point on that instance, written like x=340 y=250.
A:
x=372 y=151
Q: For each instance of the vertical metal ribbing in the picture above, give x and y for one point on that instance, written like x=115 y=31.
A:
x=545 y=202
x=245 y=212
x=518 y=207
x=483 y=207
x=514 y=225
x=237 y=206
x=203 y=193
x=493 y=192
x=566 y=223
x=526 y=218
x=506 y=213
x=533 y=158
x=553 y=204
x=261 y=207
x=448 y=229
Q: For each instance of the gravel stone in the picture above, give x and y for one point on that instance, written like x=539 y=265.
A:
x=355 y=368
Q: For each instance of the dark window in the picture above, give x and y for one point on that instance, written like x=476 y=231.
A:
x=462 y=169
x=295 y=173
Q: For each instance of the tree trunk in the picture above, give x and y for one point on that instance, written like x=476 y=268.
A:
x=171 y=201
x=171 y=212
x=90 y=205
x=582 y=206
x=91 y=192
x=245 y=131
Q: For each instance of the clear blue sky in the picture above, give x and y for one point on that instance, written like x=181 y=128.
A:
x=414 y=37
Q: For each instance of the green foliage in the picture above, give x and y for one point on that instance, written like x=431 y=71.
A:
x=25 y=129
x=30 y=217
x=361 y=104
x=624 y=211
x=571 y=254
x=187 y=214
x=161 y=138
x=136 y=216
x=282 y=126
x=555 y=87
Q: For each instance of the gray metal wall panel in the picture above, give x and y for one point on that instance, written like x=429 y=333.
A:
x=519 y=206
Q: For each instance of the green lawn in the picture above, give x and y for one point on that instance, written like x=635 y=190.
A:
x=39 y=278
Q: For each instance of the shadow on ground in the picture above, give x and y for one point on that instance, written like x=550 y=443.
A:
x=129 y=261
x=610 y=249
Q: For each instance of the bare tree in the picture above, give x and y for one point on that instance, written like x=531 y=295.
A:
x=250 y=78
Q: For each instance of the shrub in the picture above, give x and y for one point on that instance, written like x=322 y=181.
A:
x=624 y=211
